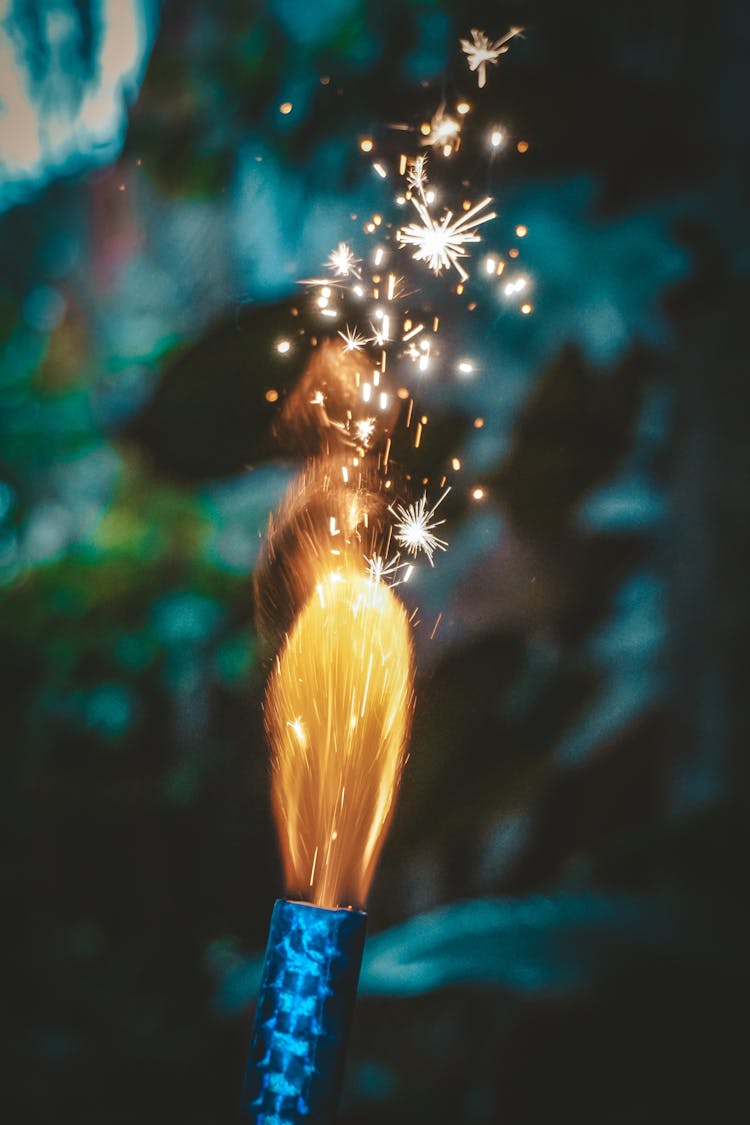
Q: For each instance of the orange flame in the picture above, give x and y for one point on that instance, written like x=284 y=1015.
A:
x=338 y=710
x=319 y=525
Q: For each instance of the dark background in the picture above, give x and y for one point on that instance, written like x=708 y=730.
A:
x=557 y=923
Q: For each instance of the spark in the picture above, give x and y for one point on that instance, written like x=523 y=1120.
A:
x=415 y=527
x=364 y=428
x=353 y=342
x=416 y=177
x=380 y=569
x=441 y=243
x=342 y=262
x=481 y=50
x=443 y=130
x=380 y=336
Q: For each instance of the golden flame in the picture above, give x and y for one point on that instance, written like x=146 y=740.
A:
x=338 y=710
x=320 y=525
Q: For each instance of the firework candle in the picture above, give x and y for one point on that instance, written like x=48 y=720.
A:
x=339 y=699
x=337 y=715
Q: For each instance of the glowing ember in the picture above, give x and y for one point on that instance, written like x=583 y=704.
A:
x=444 y=131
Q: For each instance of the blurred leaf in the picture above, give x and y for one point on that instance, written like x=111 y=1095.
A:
x=573 y=430
x=558 y=943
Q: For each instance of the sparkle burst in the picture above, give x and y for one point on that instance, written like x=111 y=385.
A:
x=352 y=340
x=364 y=429
x=342 y=261
x=480 y=50
x=440 y=242
x=380 y=336
x=380 y=569
x=414 y=530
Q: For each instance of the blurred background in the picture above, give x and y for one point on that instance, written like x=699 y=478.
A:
x=557 y=925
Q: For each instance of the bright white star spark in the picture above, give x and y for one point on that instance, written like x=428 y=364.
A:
x=352 y=340
x=364 y=428
x=481 y=50
x=414 y=530
x=342 y=262
x=440 y=243
x=380 y=336
x=386 y=570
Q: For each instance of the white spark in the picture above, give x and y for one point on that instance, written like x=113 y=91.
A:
x=481 y=50
x=444 y=130
x=352 y=340
x=364 y=428
x=380 y=336
x=416 y=177
x=440 y=243
x=415 y=527
x=384 y=570
x=342 y=262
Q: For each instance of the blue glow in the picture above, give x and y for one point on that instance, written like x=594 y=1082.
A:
x=303 y=1014
x=69 y=111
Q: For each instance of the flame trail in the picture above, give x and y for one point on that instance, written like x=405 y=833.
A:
x=338 y=711
x=321 y=523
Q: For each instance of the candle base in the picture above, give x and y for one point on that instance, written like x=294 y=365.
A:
x=303 y=1016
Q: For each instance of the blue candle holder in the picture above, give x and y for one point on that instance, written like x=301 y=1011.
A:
x=303 y=1016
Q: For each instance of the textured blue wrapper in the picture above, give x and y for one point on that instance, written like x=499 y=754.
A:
x=303 y=1016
